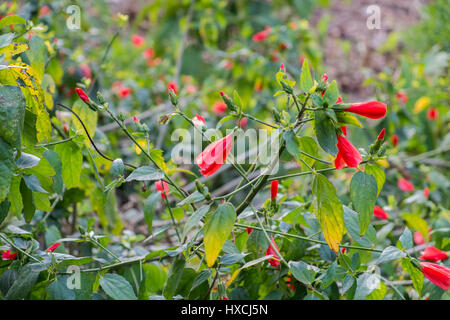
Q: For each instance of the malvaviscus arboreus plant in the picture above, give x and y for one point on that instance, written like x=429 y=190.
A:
x=91 y=181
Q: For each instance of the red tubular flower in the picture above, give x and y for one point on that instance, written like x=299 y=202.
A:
x=418 y=238
x=274 y=189
x=224 y=298
x=437 y=274
x=8 y=255
x=219 y=107
x=324 y=77
x=148 y=53
x=347 y=155
x=405 y=185
x=426 y=192
x=160 y=185
x=282 y=67
x=402 y=97
x=249 y=230
x=275 y=261
x=83 y=96
x=380 y=213
x=124 y=92
x=344 y=130
x=381 y=135
x=395 y=140
x=433 y=254
x=172 y=86
x=343 y=250
x=432 y=114
x=137 y=40
x=53 y=247
x=198 y=121
x=371 y=109
x=135 y=119
x=260 y=36
x=214 y=155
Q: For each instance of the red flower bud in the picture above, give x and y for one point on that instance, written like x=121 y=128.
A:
x=135 y=119
x=260 y=36
x=172 y=86
x=124 y=92
x=275 y=261
x=395 y=140
x=405 y=185
x=347 y=155
x=224 y=298
x=160 y=185
x=426 y=192
x=418 y=238
x=214 y=155
x=9 y=255
x=324 y=77
x=433 y=254
x=380 y=213
x=83 y=96
x=381 y=135
x=249 y=230
x=243 y=122
x=371 y=109
x=437 y=274
x=137 y=40
x=221 y=93
x=274 y=189
x=432 y=114
x=282 y=67
x=402 y=97
x=53 y=247
x=198 y=121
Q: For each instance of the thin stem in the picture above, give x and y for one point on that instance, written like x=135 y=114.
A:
x=258 y=120
x=94 y=241
x=12 y=244
x=171 y=215
x=56 y=142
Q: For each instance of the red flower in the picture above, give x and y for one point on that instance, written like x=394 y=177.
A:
x=437 y=274
x=371 y=109
x=214 y=155
x=137 y=40
x=249 y=230
x=148 y=53
x=433 y=254
x=381 y=135
x=53 y=247
x=260 y=36
x=343 y=250
x=432 y=114
x=324 y=77
x=418 y=238
x=135 y=119
x=124 y=92
x=402 y=97
x=172 y=86
x=83 y=96
x=347 y=155
x=198 y=121
x=344 y=130
x=159 y=186
x=8 y=255
x=282 y=67
x=426 y=192
x=224 y=298
x=275 y=261
x=219 y=107
x=405 y=185
x=274 y=189
x=380 y=213
x=45 y=10
x=395 y=140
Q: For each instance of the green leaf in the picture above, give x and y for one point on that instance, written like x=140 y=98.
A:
x=145 y=173
x=25 y=281
x=173 y=280
x=149 y=209
x=308 y=145
x=59 y=290
x=6 y=168
x=332 y=93
x=88 y=116
x=55 y=161
x=390 y=253
x=12 y=115
x=195 y=219
x=295 y=217
x=366 y=284
x=328 y=211
x=5 y=39
x=36 y=56
x=117 y=287
x=27 y=161
x=27 y=201
x=33 y=183
x=363 y=192
x=117 y=168
x=302 y=272
x=416 y=275
x=378 y=174
x=415 y=222
x=345 y=118
x=406 y=239
x=379 y=293
x=72 y=160
x=292 y=144
x=9 y=20
x=217 y=229
x=326 y=133
x=192 y=198
x=306 y=82
x=4 y=208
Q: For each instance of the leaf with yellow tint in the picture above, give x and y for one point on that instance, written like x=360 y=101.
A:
x=421 y=104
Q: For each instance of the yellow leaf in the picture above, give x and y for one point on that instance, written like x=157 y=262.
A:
x=13 y=49
x=142 y=143
x=421 y=104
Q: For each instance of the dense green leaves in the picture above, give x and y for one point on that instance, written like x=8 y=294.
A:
x=218 y=228
x=363 y=192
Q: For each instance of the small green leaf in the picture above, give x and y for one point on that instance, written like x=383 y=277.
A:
x=406 y=239
x=72 y=160
x=306 y=82
x=192 y=198
x=194 y=219
x=363 y=192
x=390 y=253
x=416 y=222
x=326 y=133
x=27 y=202
x=332 y=93
x=33 y=183
x=302 y=272
x=345 y=118
x=117 y=168
x=9 y=20
x=117 y=287
x=145 y=173
x=416 y=275
x=378 y=174
x=366 y=284
x=292 y=144
x=149 y=209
